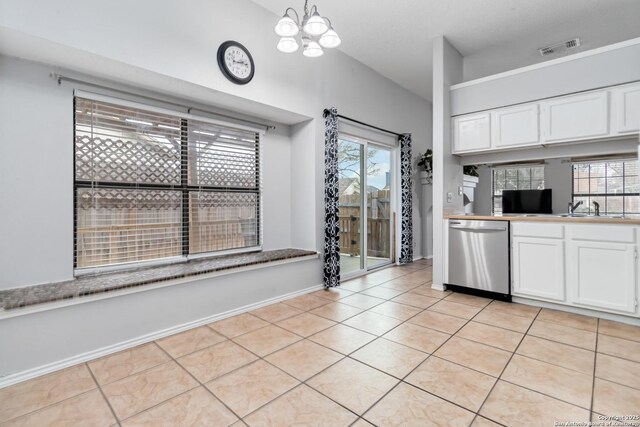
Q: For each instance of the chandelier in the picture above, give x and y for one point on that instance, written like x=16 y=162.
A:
x=315 y=32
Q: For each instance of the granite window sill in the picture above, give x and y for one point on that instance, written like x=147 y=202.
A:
x=109 y=282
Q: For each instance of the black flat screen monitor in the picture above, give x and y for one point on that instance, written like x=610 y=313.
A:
x=526 y=201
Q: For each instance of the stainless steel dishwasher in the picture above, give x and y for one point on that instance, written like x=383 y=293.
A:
x=479 y=256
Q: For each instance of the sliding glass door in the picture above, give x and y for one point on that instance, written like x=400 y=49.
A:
x=365 y=202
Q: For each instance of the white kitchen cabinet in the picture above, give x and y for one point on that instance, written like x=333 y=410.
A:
x=602 y=275
x=538 y=268
x=471 y=133
x=515 y=126
x=626 y=108
x=575 y=117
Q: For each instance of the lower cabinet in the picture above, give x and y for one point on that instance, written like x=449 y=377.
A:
x=602 y=275
x=538 y=268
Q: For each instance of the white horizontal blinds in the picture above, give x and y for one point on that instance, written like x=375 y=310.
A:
x=613 y=183
x=224 y=206
x=126 y=163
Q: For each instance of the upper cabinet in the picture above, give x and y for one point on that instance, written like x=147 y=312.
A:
x=626 y=108
x=515 y=126
x=606 y=113
x=471 y=133
x=570 y=118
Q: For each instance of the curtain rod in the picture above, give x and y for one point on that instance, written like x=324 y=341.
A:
x=326 y=111
x=60 y=78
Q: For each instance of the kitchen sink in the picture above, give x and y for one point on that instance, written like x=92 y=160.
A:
x=588 y=216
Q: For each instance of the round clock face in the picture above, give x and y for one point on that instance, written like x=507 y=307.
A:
x=236 y=62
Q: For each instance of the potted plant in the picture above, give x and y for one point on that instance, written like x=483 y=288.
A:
x=470 y=170
x=425 y=162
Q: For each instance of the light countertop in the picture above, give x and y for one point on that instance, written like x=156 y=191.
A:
x=548 y=218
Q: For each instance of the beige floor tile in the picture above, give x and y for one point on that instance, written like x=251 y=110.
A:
x=386 y=275
x=455 y=309
x=396 y=310
x=332 y=294
x=267 y=340
x=491 y=335
x=428 y=291
x=409 y=406
x=393 y=358
x=251 y=387
x=558 y=354
x=353 y=384
x=561 y=383
x=304 y=359
x=238 y=325
x=511 y=405
x=194 y=408
x=619 y=347
x=336 y=311
x=342 y=339
x=362 y=301
x=514 y=309
x=415 y=300
x=438 y=321
x=306 y=324
x=190 y=341
x=483 y=422
x=306 y=302
x=563 y=334
x=504 y=320
x=362 y=423
x=620 y=330
x=141 y=391
x=618 y=370
x=302 y=406
x=452 y=382
x=89 y=409
x=120 y=365
x=215 y=361
x=358 y=285
x=414 y=336
x=400 y=284
x=276 y=312
x=469 y=300
x=615 y=399
x=31 y=395
x=569 y=319
x=372 y=323
x=382 y=292
x=480 y=357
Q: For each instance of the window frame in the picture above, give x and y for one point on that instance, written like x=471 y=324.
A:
x=529 y=166
x=606 y=194
x=184 y=187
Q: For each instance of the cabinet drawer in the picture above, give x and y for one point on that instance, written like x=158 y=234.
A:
x=602 y=233
x=537 y=229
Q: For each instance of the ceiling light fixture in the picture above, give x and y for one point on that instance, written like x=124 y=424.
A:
x=317 y=32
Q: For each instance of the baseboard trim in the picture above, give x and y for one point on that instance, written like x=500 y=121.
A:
x=105 y=351
x=629 y=320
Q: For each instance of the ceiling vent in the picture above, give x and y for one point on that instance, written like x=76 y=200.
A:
x=560 y=48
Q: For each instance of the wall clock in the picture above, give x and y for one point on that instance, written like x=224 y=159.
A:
x=236 y=63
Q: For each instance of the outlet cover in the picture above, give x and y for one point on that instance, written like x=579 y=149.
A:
x=449 y=197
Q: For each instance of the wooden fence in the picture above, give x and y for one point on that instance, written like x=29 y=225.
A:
x=378 y=224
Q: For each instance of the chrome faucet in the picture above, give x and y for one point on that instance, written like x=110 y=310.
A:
x=596 y=206
x=572 y=207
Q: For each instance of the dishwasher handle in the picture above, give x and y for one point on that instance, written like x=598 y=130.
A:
x=454 y=226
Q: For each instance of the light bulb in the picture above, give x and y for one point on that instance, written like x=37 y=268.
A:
x=330 y=39
x=312 y=50
x=315 y=25
x=287 y=45
x=286 y=27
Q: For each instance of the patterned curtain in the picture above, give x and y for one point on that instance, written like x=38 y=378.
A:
x=331 y=224
x=406 y=239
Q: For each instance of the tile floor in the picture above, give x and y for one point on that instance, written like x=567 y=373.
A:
x=384 y=349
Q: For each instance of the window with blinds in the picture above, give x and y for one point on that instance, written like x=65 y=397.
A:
x=525 y=177
x=612 y=183
x=152 y=186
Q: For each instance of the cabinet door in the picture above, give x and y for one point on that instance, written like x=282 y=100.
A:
x=626 y=103
x=471 y=133
x=538 y=268
x=515 y=126
x=602 y=275
x=576 y=117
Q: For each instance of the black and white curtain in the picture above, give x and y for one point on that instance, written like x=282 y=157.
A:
x=406 y=238
x=331 y=224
